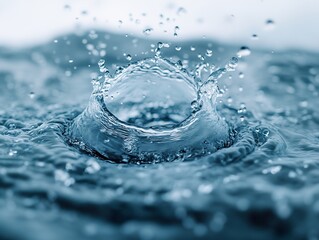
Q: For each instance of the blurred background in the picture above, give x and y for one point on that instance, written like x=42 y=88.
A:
x=283 y=24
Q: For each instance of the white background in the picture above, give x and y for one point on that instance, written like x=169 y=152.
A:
x=25 y=22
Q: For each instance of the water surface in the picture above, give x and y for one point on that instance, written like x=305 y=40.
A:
x=262 y=184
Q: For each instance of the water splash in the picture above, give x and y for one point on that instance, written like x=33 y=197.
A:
x=152 y=111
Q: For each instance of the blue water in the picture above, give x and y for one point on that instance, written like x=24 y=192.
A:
x=260 y=184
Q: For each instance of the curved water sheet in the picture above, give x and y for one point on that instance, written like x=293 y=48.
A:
x=151 y=111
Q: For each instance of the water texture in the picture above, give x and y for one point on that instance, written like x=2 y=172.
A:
x=249 y=169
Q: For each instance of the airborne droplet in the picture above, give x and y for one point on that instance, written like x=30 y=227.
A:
x=254 y=37
x=209 y=53
x=32 y=95
x=175 y=30
x=147 y=31
x=128 y=57
x=243 y=52
x=270 y=24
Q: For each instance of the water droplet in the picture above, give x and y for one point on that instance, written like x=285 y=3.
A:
x=241 y=75
x=270 y=24
x=128 y=57
x=209 y=53
x=177 y=48
x=68 y=73
x=93 y=35
x=192 y=48
x=217 y=74
x=64 y=177
x=12 y=152
x=32 y=95
x=292 y=174
x=266 y=132
x=179 y=64
x=195 y=106
x=229 y=100
x=181 y=10
x=102 y=67
x=303 y=104
x=67 y=7
x=242 y=109
x=290 y=90
x=102 y=53
x=147 y=31
x=55 y=41
x=205 y=188
x=160 y=45
x=243 y=52
x=92 y=166
x=201 y=57
x=175 y=30
x=218 y=221
x=101 y=62
x=232 y=64
x=71 y=61
x=254 y=37
x=166 y=45
x=272 y=170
